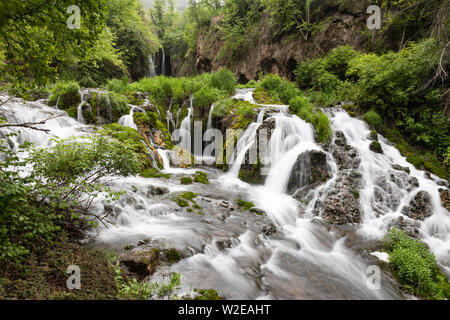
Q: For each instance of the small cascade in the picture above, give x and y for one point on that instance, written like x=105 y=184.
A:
x=387 y=191
x=109 y=108
x=80 y=117
x=211 y=110
x=128 y=120
x=152 y=72
x=169 y=116
x=163 y=62
x=246 y=141
x=186 y=126
x=57 y=102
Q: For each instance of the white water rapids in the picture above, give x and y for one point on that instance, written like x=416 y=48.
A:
x=226 y=250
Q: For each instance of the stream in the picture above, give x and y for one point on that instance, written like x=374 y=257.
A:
x=231 y=250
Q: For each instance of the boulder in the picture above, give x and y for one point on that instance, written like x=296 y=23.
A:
x=309 y=171
x=268 y=229
x=375 y=146
x=156 y=191
x=445 y=198
x=420 y=207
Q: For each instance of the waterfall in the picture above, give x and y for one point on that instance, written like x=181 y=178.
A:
x=246 y=141
x=291 y=137
x=80 y=117
x=163 y=63
x=128 y=120
x=169 y=116
x=383 y=187
x=185 y=127
x=211 y=110
x=152 y=72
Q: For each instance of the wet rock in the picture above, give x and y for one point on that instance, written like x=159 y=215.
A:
x=346 y=157
x=445 y=198
x=257 y=211
x=341 y=203
x=141 y=263
x=400 y=168
x=373 y=136
x=269 y=229
x=223 y=244
x=180 y=158
x=410 y=227
x=309 y=171
x=420 y=207
x=375 y=146
x=156 y=191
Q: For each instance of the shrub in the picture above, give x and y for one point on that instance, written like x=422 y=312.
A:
x=415 y=266
x=59 y=191
x=373 y=119
x=173 y=256
x=223 y=80
x=68 y=94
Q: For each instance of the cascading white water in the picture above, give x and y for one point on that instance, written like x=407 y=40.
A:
x=128 y=120
x=246 y=142
x=169 y=117
x=209 y=123
x=185 y=127
x=152 y=72
x=80 y=117
x=435 y=230
x=303 y=260
x=163 y=62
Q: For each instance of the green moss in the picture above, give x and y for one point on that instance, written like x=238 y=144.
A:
x=181 y=202
x=189 y=195
x=262 y=96
x=375 y=146
x=73 y=112
x=207 y=295
x=186 y=180
x=154 y=173
x=201 y=177
x=245 y=205
x=44 y=274
x=132 y=138
x=173 y=256
x=68 y=94
x=415 y=266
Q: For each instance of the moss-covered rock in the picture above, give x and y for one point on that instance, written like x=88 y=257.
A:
x=65 y=95
x=375 y=146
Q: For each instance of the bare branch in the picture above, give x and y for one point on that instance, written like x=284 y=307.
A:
x=30 y=125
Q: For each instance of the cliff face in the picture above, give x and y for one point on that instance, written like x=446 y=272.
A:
x=279 y=56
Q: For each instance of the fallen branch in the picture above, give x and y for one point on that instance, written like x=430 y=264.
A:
x=29 y=125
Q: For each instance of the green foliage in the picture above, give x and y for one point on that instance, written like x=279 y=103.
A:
x=400 y=87
x=186 y=180
x=373 y=119
x=415 y=266
x=207 y=295
x=173 y=256
x=143 y=290
x=245 y=205
x=154 y=173
x=301 y=106
x=39 y=40
x=279 y=89
x=295 y=16
x=68 y=94
x=58 y=193
x=223 y=80
x=201 y=177
x=132 y=139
